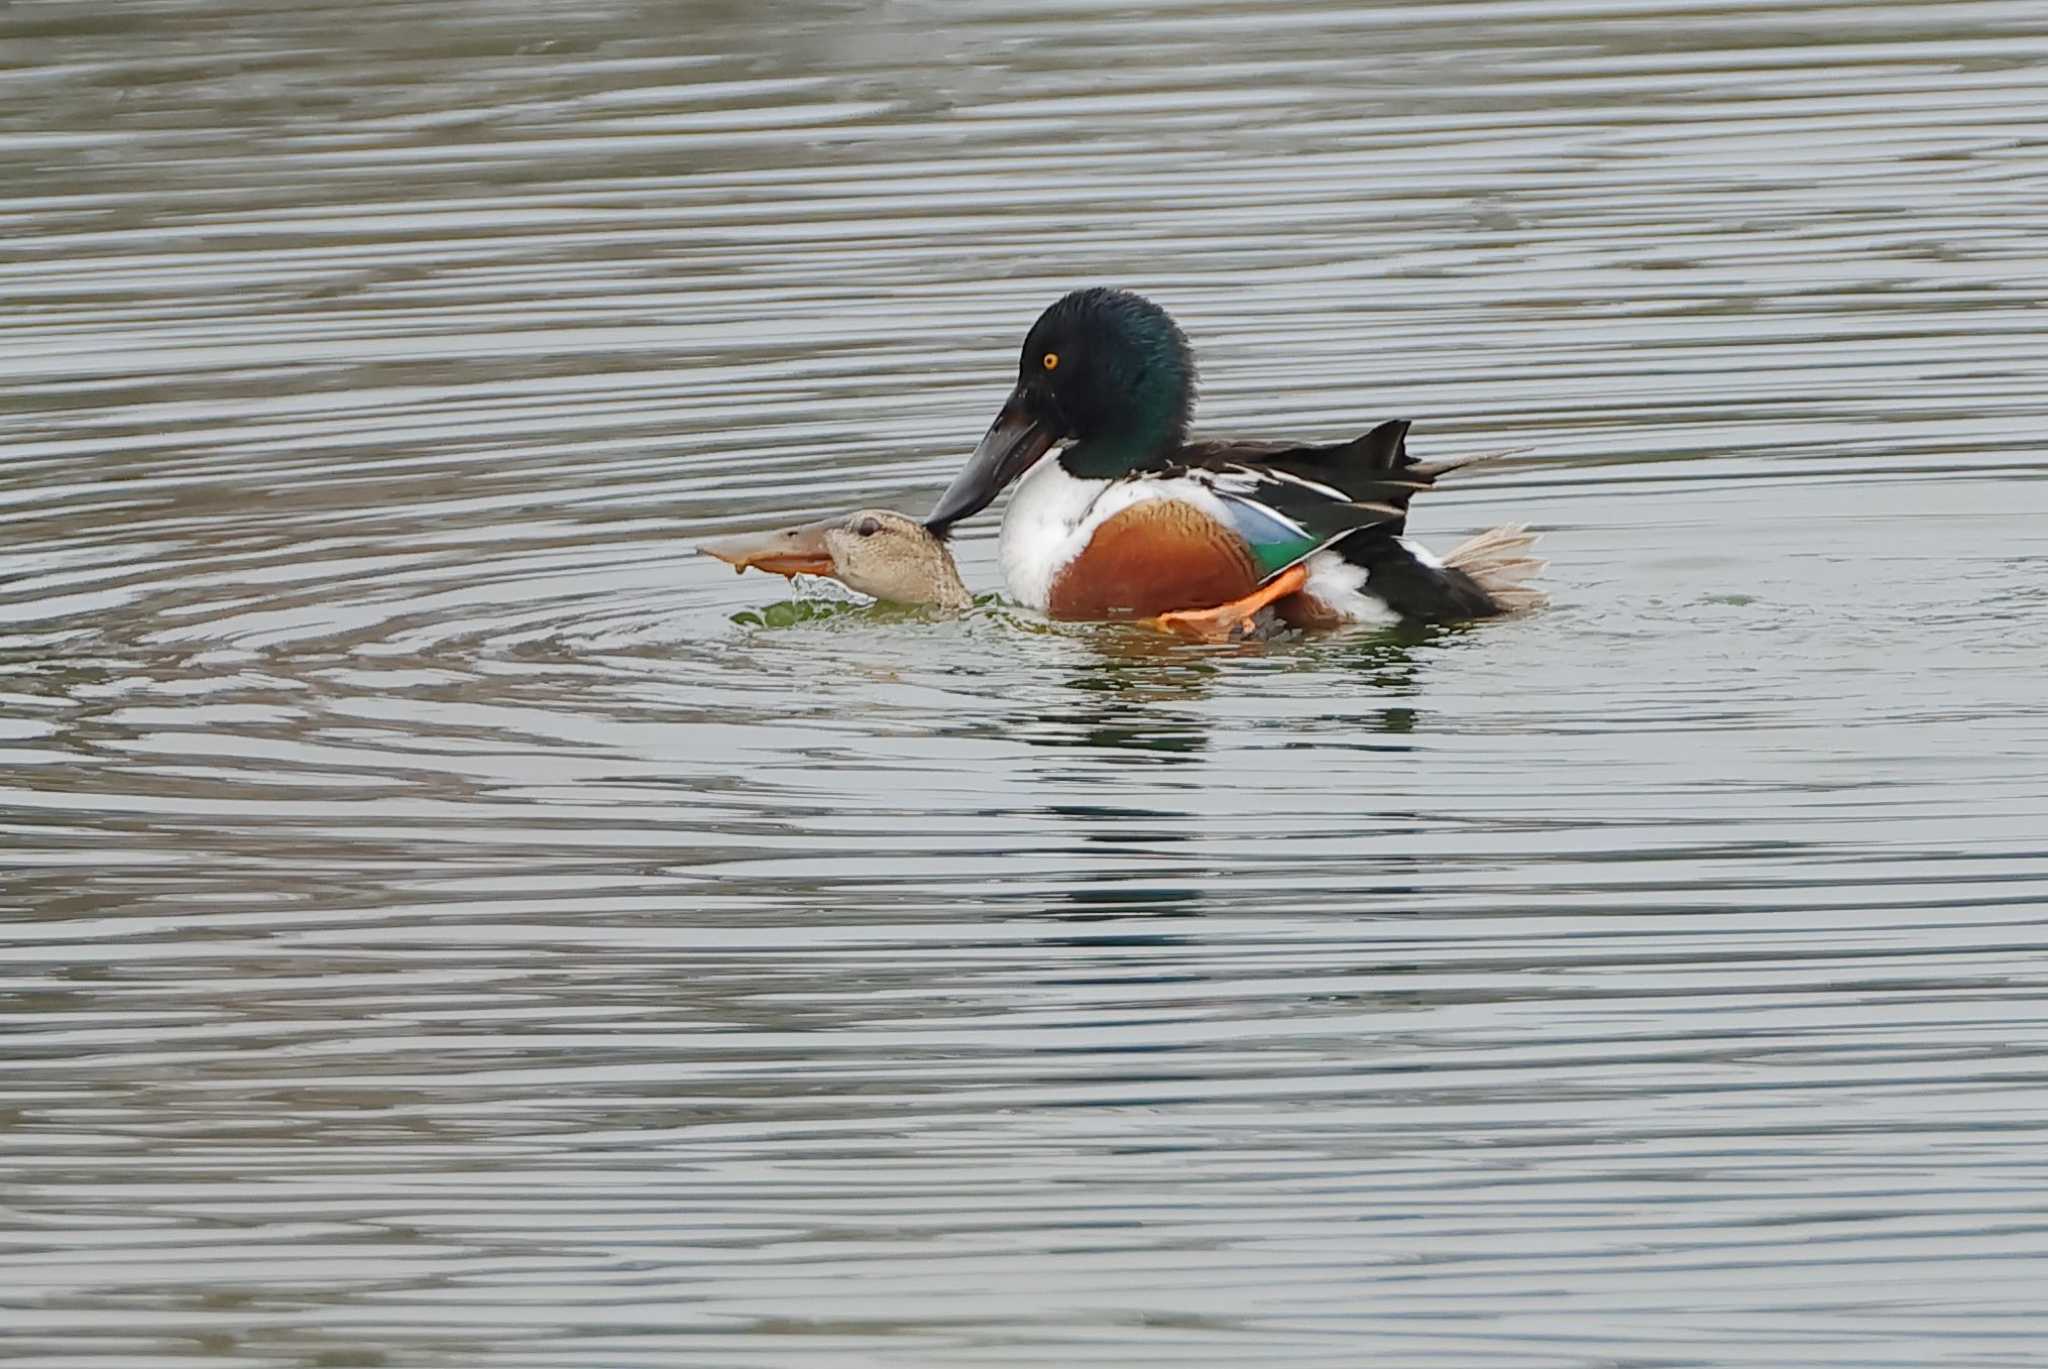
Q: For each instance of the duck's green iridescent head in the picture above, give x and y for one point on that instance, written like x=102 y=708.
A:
x=1107 y=372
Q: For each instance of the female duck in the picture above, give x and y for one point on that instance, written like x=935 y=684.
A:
x=875 y=551
x=1132 y=520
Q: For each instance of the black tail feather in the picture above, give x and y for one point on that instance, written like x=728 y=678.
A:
x=1411 y=586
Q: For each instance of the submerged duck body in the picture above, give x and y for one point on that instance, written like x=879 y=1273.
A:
x=1132 y=520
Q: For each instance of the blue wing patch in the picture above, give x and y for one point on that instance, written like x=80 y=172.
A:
x=1276 y=542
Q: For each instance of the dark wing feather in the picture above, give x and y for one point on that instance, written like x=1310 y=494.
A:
x=1374 y=470
x=1327 y=492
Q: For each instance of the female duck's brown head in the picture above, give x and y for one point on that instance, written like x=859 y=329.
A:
x=876 y=551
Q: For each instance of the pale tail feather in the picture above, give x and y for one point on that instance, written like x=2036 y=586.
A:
x=1493 y=559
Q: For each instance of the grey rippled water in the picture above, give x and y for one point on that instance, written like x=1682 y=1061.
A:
x=437 y=933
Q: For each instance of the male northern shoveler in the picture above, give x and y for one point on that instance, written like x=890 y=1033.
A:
x=1132 y=520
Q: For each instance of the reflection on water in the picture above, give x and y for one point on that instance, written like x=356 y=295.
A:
x=438 y=933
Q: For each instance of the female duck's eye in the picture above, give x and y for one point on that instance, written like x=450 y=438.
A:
x=867 y=527
x=1051 y=360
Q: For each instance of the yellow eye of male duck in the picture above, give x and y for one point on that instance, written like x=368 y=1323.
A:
x=1051 y=360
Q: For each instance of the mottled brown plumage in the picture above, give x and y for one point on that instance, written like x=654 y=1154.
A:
x=876 y=551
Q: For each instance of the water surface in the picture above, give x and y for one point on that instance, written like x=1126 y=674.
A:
x=437 y=934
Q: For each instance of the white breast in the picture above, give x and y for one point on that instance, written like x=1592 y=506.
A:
x=1053 y=515
x=1044 y=512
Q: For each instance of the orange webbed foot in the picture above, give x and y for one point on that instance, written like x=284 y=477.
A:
x=1225 y=621
x=1218 y=624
